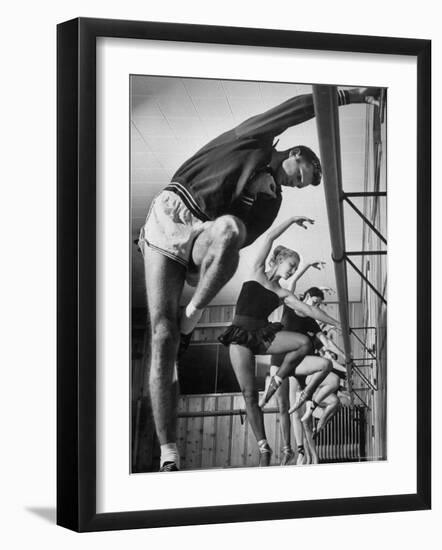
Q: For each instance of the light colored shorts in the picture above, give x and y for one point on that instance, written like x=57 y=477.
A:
x=170 y=228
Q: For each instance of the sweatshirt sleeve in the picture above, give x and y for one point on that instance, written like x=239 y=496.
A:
x=276 y=120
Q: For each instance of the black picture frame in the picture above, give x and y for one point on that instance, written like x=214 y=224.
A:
x=76 y=272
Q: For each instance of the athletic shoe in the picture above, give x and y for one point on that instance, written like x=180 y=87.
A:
x=169 y=467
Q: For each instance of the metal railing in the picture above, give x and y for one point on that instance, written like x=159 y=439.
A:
x=363 y=369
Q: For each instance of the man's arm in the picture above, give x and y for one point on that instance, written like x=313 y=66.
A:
x=297 y=110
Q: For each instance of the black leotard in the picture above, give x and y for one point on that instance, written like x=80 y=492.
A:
x=256 y=301
x=295 y=323
x=250 y=326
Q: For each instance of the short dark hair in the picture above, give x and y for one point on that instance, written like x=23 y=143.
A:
x=314 y=291
x=307 y=154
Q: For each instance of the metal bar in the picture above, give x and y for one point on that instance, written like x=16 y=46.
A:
x=363 y=344
x=367 y=253
x=364 y=378
x=366 y=194
x=361 y=400
x=382 y=103
x=366 y=220
x=366 y=280
x=327 y=121
x=232 y=412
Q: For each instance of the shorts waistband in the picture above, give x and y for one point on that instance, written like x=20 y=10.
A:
x=187 y=199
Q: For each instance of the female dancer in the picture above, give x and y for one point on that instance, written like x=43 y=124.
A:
x=252 y=334
x=328 y=387
x=293 y=385
x=297 y=322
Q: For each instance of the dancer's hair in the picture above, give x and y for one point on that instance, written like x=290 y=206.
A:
x=314 y=291
x=280 y=253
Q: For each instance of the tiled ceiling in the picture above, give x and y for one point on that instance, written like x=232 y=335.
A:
x=171 y=118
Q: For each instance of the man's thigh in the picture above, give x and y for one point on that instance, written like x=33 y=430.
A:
x=211 y=233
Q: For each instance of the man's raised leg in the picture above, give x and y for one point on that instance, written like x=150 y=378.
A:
x=216 y=254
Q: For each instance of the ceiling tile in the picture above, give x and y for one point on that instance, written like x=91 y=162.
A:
x=244 y=108
x=176 y=106
x=153 y=126
x=155 y=85
x=241 y=89
x=143 y=105
x=217 y=107
x=185 y=126
x=198 y=88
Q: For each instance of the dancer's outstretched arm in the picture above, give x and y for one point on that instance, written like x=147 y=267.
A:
x=330 y=345
x=302 y=270
x=272 y=235
x=314 y=312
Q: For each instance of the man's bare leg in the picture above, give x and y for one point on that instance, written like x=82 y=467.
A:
x=164 y=284
x=216 y=254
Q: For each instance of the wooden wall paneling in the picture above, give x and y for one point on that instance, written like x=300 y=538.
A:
x=238 y=453
x=209 y=434
x=183 y=402
x=252 y=447
x=223 y=432
x=269 y=426
x=194 y=433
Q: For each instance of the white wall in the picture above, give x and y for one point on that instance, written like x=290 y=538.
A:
x=28 y=275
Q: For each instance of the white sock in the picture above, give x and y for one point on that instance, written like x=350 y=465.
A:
x=169 y=453
x=189 y=318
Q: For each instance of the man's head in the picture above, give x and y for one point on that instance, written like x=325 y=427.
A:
x=302 y=167
x=313 y=296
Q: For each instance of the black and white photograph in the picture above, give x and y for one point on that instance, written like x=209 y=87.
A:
x=258 y=273
x=215 y=204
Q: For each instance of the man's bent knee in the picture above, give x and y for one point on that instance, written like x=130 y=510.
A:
x=229 y=231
